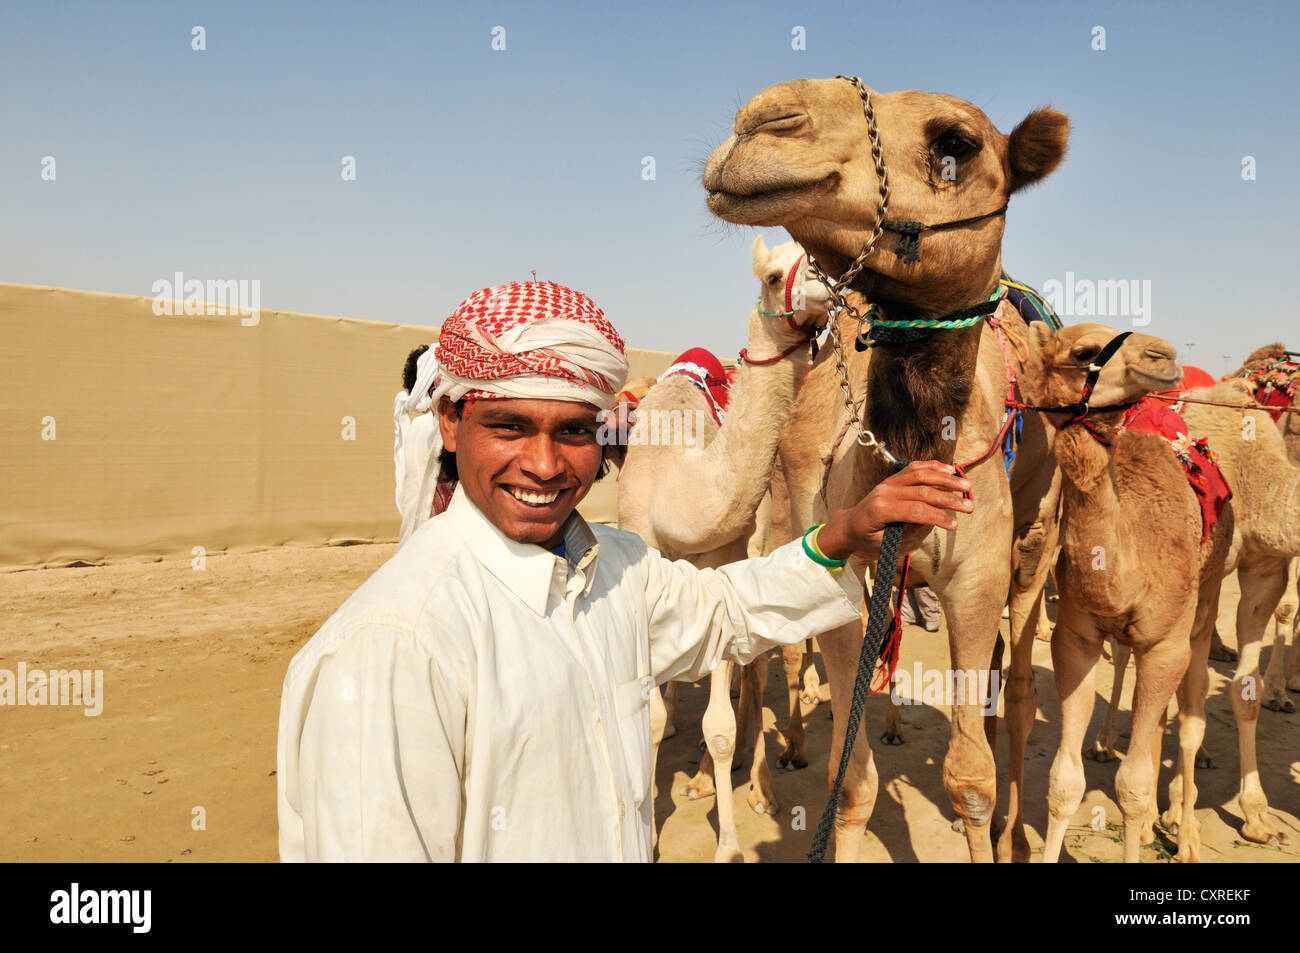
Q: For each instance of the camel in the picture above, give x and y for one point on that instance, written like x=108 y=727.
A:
x=695 y=498
x=801 y=157
x=1266 y=499
x=1133 y=567
x=1266 y=536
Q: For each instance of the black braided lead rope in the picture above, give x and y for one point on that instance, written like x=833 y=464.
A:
x=879 y=618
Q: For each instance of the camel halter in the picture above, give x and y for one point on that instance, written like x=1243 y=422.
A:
x=895 y=331
x=788 y=313
x=1079 y=412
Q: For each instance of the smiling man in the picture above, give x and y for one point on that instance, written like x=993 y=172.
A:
x=485 y=694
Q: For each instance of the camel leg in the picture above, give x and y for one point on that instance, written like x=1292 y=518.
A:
x=1293 y=683
x=1275 y=697
x=1020 y=708
x=792 y=757
x=1160 y=668
x=1180 y=820
x=761 y=798
x=972 y=600
x=1261 y=587
x=893 y=734
x=670 y=709
x=1074 y=663
x=812 y=683
x=1103 y=749
x=720 y=737
x=840 y=650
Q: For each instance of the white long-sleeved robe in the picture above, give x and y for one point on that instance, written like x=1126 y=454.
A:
x=482 y=699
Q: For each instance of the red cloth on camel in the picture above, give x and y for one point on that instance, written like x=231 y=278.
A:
x=705 y=371
x=1200 y=463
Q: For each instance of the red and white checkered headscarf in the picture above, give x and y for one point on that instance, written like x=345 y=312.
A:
x=529 y=339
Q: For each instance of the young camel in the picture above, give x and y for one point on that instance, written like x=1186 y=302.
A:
x=696 y=498
x=801 y=158
x=1131 y=567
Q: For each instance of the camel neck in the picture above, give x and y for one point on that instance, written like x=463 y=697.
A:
x=1093 y=521
x=917 y=392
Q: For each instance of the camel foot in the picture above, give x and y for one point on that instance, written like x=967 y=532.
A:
x=1103 y=752
x=728 y=855
x=809 y=702
x=1293 y=684
x=1277 y=701
x=1220 y=652
x=1203 y=760
x=1189 y=850
x=669 y=731
x=892 y=737
x=1043 y=634
x=791 y=760
x=699 y=786
x=1261 y=832
x=762 y=802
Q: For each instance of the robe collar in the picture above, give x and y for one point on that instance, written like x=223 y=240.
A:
x=525 y=569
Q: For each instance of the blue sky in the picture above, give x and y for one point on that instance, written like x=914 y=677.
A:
x=476 y=166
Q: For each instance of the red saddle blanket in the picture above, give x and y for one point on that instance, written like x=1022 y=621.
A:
x=1200 y=463
x=1275 y=385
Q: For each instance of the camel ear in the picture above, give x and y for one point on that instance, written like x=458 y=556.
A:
x=1040 y=335
x=1037 y=146
x=761 y=255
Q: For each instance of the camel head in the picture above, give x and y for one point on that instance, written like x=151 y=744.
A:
x=1058 y=365
x=801 y=158
x=808 y=298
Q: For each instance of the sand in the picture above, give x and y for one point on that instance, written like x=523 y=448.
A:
x=180 y=765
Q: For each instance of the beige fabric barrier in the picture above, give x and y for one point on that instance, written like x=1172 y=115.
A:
x=128 y=435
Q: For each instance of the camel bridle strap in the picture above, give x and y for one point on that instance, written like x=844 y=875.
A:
x=744 y=353
x=789 y=311
x=1080 y=412
x=909 y=233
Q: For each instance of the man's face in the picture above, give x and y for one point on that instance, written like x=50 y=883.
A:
x=524 y=463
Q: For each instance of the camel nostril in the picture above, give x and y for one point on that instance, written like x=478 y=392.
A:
x=1159 y=353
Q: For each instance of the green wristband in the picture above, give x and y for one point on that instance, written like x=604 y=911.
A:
x=814 y=552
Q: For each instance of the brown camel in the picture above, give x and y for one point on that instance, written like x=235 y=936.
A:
x=1131 y=567
x=695 y=497
x=1266 y=501
x=801 y=158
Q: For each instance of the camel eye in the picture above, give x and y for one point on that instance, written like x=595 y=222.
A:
x=774 y=280
x=951 y=144
x=1085 y=354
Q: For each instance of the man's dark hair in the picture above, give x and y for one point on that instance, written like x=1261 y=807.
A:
x=409 y=369
x=447 y=459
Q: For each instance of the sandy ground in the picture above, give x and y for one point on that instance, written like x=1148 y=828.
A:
x=180 y=765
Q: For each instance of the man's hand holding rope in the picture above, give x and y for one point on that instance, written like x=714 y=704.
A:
x=922 y=495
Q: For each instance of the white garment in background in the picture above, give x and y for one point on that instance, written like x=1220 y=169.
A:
x=417 y=445
x=482 y=699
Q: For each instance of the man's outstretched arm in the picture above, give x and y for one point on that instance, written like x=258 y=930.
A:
x=697 y=617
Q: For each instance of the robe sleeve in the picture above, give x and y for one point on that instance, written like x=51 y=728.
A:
x=380 y=759
x=698 y=617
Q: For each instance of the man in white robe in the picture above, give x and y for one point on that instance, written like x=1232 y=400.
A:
x=484 y=695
